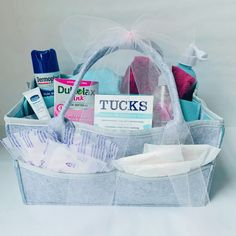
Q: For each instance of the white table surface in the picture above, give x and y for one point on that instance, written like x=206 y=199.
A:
x=216 y=219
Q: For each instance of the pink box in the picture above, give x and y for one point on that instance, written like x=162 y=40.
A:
x=82 y=106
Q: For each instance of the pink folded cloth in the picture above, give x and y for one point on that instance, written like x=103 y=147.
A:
x=141 y=77
x=185 y=83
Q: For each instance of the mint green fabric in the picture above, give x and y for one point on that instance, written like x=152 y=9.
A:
x=109 y=82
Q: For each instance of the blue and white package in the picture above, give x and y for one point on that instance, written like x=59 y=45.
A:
x=133 y=112
x=46 y=69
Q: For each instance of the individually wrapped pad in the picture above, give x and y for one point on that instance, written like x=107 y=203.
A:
x=59 y=157
x=39 y=149
x=28 y=146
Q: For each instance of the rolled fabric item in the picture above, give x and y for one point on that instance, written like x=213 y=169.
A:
x=141 y=77
x=185 y=83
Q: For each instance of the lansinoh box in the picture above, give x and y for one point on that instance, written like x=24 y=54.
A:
x=82 y=106
x=129 y=112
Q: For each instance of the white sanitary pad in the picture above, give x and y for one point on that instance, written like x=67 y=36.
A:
x=167 y=160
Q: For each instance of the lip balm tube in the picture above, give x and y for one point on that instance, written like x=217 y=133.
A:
x=35 y=99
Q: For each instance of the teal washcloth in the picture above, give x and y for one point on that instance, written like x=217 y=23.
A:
x=27 y=108
x=191 y=110
x=109 y=82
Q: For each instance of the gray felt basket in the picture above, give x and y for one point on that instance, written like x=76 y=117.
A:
x=39 y=186
x=42 y=186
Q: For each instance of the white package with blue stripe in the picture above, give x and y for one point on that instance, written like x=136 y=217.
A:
x=123 y=112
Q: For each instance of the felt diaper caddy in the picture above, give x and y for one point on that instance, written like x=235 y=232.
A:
x=116 y=187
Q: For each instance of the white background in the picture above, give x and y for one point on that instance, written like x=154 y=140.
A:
x=29 y=24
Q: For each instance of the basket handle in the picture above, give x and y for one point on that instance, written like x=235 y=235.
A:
x=142 y=47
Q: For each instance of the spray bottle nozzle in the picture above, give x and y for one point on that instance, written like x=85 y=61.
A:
x=192 y=55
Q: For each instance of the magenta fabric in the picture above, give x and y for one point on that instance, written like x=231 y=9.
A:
x=185 y=83
x=141 y=77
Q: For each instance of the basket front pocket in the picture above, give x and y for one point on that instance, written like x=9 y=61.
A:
x=40 y=186
x=181 y=190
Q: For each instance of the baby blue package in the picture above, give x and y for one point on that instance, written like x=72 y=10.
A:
x=109 y=82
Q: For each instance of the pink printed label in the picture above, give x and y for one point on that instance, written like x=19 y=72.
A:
x=71 y=82
x=82 y=106
x=83 y=116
